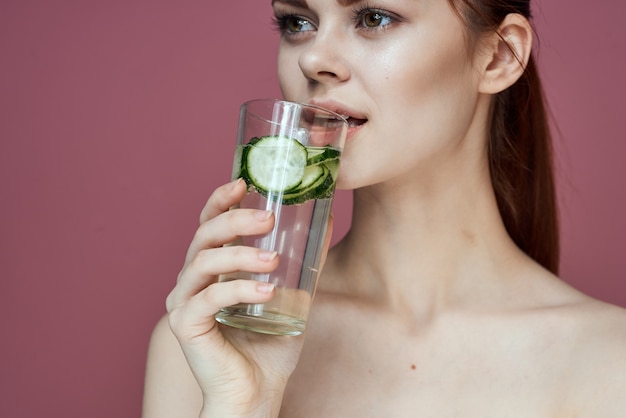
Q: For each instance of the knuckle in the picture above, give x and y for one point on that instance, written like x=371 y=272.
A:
x=201 y=260
x=173 y=300
x=238 y=221
x=222 y=260
x=243 y=222
x=202 y=233
x=169 y=302
x=239 y=252
x=239 y=286
x=216 y=203
x=180 y=275
x=174 y=321
x=211 y=295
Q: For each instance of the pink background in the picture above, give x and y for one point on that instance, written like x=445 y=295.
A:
x=117 y=119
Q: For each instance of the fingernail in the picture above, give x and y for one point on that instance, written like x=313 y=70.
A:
x=265 y=288
x=263 y=215
x=267 y=255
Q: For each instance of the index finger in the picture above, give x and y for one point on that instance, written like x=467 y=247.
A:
x=222 y=199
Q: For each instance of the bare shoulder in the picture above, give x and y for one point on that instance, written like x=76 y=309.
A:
x=598 y=359
x=170 y=388
x=602 y=328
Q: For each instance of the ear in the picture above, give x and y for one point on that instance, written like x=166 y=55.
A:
x=506 y=54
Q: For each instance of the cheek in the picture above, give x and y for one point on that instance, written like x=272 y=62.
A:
x=423 y=111
x=290 y=78
x=430 y=94
x=430 y=77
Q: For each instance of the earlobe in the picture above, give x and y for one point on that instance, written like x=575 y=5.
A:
x=508 y=52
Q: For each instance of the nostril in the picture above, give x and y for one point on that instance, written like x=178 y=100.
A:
x=321 y=76
x=327 y=74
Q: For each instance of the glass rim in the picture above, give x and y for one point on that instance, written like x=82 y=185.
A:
x=336 y=115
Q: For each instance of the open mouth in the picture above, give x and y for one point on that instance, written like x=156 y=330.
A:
x=355 y=122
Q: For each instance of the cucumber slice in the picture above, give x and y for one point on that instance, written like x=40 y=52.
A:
x=308 y=172
x=239 y=166
x=316 y=183
x=241 y=156
x=275 y=163
x=316 y=155
x=313 y=175
x=333 y=166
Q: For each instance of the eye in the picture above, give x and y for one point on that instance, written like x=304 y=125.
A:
x=372 y=19
x=292 y=24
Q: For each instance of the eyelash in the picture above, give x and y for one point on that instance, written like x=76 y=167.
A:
x=362 y=11
x=281 y=21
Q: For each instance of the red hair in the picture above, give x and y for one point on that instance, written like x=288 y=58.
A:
x=520 y=144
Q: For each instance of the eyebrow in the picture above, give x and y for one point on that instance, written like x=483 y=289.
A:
x=297 y=3
x=303 y=4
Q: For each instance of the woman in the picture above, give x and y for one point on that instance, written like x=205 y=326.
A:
x=442 y=300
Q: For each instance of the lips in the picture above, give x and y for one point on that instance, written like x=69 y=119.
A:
x=354 y=118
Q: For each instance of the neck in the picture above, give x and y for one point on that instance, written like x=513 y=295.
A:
x=425 y=247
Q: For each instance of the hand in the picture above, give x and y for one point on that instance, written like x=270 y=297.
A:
x=240 y=373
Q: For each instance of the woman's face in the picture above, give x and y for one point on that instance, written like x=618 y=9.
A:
x=401 y=72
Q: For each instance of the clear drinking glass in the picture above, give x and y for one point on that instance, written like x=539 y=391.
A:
x=288 y=153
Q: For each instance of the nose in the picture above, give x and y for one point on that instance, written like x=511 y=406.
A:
x=323 y=62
